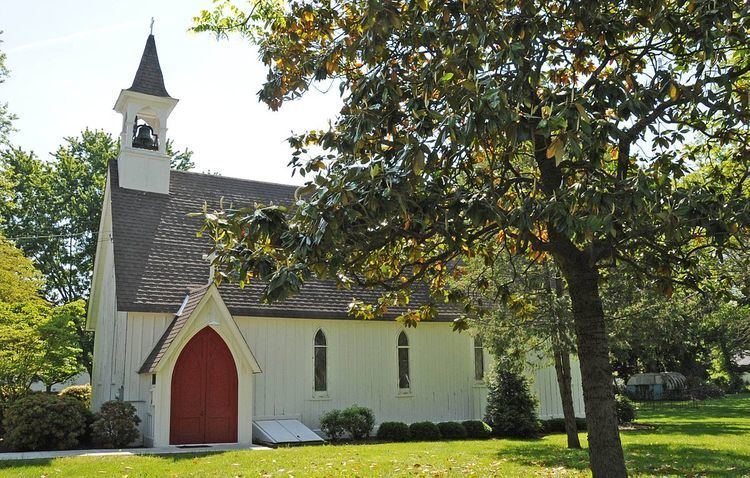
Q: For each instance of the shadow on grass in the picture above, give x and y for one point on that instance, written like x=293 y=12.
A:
x=733 y=406
x=8 y=464
x=691 y=428
x=651 y=459
x=171 y=457
x=685 y=460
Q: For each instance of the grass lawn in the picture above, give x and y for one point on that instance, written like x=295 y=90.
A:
x=710 y=440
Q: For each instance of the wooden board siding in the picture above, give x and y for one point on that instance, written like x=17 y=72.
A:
x=544 y=385
x=362 y=369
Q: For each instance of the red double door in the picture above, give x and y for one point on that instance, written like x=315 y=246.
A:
x=204 y=392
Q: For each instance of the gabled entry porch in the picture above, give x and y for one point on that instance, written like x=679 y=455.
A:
x=202 y=375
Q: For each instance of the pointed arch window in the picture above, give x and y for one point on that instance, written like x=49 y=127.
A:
x=320 y=362
x=478 y=359
x=404 y=377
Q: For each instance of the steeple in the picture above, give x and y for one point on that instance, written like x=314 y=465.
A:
x=143 y=163
x=149 y=79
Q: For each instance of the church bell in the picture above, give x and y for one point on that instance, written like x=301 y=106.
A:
x=145 y=138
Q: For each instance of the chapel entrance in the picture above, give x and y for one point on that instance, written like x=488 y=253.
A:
x=204 y=392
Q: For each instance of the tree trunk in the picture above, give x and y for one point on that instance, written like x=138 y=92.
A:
x=605 y=449
x=564 y=382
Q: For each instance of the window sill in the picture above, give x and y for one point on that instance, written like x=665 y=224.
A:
x=320 y=398
x=404 y=394
x=480 y=385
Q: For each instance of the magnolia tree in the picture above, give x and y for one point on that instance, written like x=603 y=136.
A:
x=553 y=128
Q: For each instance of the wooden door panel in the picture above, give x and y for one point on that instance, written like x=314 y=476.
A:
x=204 y=392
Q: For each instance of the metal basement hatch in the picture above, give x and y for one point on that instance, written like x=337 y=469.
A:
x=283 y=432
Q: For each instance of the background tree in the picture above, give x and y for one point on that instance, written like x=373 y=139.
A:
x=19 y=279
x=37 y=342
x=521 y=309
x=557 y=127
x=63 y=356
x=6 y=118
x=696 y=333
x=21 y=350
x=52 y=210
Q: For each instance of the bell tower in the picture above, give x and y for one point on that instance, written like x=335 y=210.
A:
x=143 y=163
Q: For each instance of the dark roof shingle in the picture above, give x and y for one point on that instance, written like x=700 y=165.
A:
x=193 y=297
x=149 y=79
x=158 y=254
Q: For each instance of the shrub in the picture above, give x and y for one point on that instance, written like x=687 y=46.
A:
x=557 y=425
x=452 y=430
x=332 y=425
x=511 y=409
x=393 y=431
x=477 y=429
x=116 y=425
x=698 y=389
x=79 y=392
x=625 y=409
x=424 y=431
x=41 y=421
x=358 y=421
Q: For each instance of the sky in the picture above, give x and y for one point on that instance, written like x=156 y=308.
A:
x=70 y=59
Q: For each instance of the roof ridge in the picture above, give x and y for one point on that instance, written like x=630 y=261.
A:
x=235 y=178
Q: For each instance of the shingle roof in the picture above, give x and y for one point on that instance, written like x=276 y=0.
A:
x=192 y=298
x=149 y=79
x=158 y=255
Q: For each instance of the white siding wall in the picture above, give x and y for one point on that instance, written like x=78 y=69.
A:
x=362 y=369
x=544 y=385
x=143 y=331
x=105 y=318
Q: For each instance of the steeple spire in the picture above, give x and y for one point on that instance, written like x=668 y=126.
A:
x=143 y=163
x=148 y=79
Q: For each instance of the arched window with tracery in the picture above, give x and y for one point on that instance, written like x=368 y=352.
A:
x=320 y=362
x=478 y=359
x=404 y=377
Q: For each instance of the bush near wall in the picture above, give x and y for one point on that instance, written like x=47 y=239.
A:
x=511 y=408
x=79 y=392
x=424 y=431
x=41 y=421
x=557 y=425
x=393 y=431
x=332 y=425
x=452 y=430
x=116 y=425
x=358 y=421
x=477 y=429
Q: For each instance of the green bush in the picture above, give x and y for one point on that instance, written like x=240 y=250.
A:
x=332 y=425
x=557 y=425
x=452 y=430
x=477 y=429
x=511 y=408
x=42 y=421
x=79 y=392
x=393 y=431
x=625 y=409
x=698 y=389
x=116 y=425
x=358 y=421
x=424 y=431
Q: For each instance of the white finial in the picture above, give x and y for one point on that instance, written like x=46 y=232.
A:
x=152 y=25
